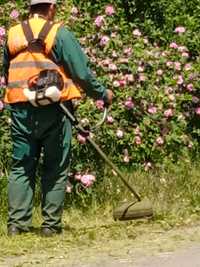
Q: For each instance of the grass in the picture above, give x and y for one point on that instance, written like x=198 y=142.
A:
x=174 y=191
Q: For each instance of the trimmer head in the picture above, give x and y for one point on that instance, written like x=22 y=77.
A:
x=133 y=210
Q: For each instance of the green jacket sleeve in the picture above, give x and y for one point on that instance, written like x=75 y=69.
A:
x=68 y=53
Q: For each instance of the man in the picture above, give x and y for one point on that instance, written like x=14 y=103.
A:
x=43 y=128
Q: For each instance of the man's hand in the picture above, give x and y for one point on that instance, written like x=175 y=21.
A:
x=109 y=97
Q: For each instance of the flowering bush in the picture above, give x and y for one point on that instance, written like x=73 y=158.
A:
x=156 y=109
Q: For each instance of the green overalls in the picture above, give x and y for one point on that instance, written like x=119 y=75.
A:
x=47 y=130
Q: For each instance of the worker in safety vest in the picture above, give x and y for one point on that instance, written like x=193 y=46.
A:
x=43 y=64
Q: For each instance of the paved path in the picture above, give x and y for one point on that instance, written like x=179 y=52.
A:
x=175 y=248
x=189 y=257
x=184 y=258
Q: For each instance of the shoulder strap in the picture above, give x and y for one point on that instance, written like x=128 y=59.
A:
x=27 y=31
x=45 y=30
x=36 y=44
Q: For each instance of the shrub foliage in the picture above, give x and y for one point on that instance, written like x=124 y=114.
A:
x=148 y=53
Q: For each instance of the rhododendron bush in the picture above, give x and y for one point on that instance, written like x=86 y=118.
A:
x=154 y=76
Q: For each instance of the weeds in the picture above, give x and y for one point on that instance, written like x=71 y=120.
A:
x=174 y=192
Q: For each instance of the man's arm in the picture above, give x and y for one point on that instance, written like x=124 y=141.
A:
x=68 y=53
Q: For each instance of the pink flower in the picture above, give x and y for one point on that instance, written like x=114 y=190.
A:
x=126 y=158
x=110 y=119
x=14 y=14
x=109 y=10
x=137 y=33
x=188 y=66
x=147 y=166
x=87 y=180
x=100 y=104
x=2 y=32
x=185 y=54
x=2 y=81
x=1 y=105
x=177 y=65
x=77 y=176
x=195 y=99
x=137 y=131
x=99 y=21
x=119 y=133
x=116 y=84
x=104 y=40
x=182 y=49
x=179 y=29
x=112 y=67
x=152 y=109
x=84 y=122
x=140 y=69
x=74 y=11
x=82 y=139
x=69 y=187
x=123 y=60
x=138 y=140
x=113 y=34
x=168 y=90
x=128 y=51
x=168 y=113
x=122 y=83
x=173 y=45
x=190 y=87
x=171 y=97
x=129 y=77
x=169 y=64
x=129 y=103
x=114 y=54
x=142 y=77
x=180 y=80
x=159 y=141
x=190 y=145
x=197 y=111
x=159 y=72
x=192 y=76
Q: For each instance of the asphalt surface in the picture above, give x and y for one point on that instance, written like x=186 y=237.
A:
x=178 y=247
x=186 y=258
x=182 y=258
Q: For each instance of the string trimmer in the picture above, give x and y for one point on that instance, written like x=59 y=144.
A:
x=128 y=210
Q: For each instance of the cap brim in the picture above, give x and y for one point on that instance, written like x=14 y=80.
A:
x=36 y=2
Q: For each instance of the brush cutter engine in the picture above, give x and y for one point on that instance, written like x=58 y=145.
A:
x=44 y=88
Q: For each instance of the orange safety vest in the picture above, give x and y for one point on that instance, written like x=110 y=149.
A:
x=25 y=64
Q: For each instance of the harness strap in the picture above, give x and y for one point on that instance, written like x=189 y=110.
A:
x=45 y=30
x=27 y=31
x=36 y=44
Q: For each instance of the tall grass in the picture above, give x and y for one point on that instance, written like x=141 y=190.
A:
x=173 y=190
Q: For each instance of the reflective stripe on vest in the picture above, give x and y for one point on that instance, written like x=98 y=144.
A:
x=33 y=64
x=23 y=84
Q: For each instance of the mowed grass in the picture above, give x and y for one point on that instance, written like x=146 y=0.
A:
x=174 y=192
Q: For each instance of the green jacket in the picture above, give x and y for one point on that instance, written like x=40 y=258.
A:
x=68 y=53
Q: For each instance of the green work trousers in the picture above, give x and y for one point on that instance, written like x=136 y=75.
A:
x=38 y=132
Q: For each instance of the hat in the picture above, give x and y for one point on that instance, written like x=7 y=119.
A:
x=35 y=2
